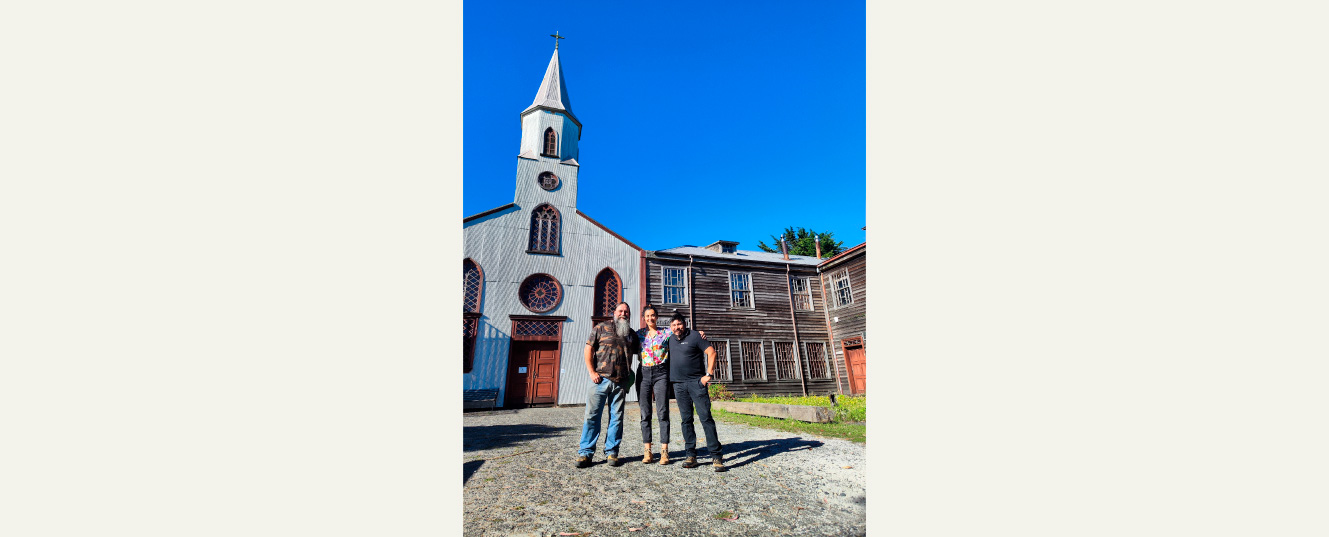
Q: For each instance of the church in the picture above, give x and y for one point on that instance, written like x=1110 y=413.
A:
x=538 y=273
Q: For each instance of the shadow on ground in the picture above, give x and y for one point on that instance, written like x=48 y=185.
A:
x=501 y=436
x=743 y=453
x=468 y=469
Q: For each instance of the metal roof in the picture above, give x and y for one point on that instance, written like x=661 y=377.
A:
x=553 y=92
x=742 y=255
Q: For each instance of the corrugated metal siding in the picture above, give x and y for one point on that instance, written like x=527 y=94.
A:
x=498 y=245
x=533 y=129
x=529 y=193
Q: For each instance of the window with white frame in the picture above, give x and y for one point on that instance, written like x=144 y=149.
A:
x=840 y=292
x=675 y=288
x=786 y=361
x=721 y=347
x=754 y=364
x=816 y=355
x=802 y=293
x=740 y=290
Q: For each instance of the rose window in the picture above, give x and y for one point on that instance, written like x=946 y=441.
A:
x=548 y=181
x=540 y=293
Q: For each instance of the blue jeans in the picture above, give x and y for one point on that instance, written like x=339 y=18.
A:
x=606 y=392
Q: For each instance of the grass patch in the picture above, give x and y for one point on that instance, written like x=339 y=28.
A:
x=846 y=408
x=848 y=431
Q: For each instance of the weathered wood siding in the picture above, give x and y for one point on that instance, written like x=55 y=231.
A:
x=498 y=244
x=851 y=320
x=767 y=321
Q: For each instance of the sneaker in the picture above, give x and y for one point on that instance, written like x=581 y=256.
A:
x=583 y=461
x=664 y=457
x=717 y=462
x=613 y=460
x=691 y=462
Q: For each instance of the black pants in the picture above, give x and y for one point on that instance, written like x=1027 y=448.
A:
x=654 y=384
x=690 y=394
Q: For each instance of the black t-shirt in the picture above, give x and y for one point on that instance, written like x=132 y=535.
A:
x=687 y=357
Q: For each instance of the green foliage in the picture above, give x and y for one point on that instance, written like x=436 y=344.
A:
x=801 y=242
x=719 y=392
x=851 y=408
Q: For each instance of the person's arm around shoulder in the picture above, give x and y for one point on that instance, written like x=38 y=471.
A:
x=710 y=362
x=590 y=356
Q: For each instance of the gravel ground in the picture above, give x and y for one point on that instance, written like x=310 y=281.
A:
x=778 y=483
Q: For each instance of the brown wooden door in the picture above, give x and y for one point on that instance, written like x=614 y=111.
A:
x=544 y=374
x=858 y=376
x=532 y=373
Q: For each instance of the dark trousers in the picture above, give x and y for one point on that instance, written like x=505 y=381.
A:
x=654 y=384
x=690 y=394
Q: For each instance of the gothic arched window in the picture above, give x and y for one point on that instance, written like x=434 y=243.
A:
x=551 y=143
x=608 y=293
x=472 y=290
x=544 y=229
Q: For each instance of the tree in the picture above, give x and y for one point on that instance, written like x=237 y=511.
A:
x=800 y=242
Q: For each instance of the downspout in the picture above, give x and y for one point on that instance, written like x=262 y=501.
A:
x=802 y=371
x=692 y=319
x=826 y=312
x=643 y=278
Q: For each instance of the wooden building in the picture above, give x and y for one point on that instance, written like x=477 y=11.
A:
x=845 y=281
x=763 y=312
x=538 y=272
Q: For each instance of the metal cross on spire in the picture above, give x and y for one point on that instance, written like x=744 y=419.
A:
x=556 y=38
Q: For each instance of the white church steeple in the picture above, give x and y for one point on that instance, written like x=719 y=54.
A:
x=549 y=136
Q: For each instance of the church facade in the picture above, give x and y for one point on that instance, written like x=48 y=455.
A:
x=538 y=273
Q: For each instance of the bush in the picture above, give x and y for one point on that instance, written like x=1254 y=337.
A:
x=719 y=392
x=851 y=408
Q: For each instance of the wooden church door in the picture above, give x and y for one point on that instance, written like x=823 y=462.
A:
x=532 y=373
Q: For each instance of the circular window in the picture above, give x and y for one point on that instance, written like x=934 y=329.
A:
x=548 y=181
x=540 y=293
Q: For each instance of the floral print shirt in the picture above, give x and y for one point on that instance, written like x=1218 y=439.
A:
x=651 y=352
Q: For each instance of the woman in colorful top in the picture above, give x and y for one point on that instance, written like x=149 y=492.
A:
x=653 y=383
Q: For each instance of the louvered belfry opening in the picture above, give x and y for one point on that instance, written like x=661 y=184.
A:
x=544 y=229
x=551 y=143
x=608 y=293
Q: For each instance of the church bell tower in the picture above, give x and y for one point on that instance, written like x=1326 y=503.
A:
x=547 y=161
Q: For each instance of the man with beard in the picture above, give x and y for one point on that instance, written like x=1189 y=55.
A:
x=609 y=353
x=691 y=368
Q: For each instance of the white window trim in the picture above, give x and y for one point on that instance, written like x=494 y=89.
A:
x=729 y=359
x=835 y=293
x=798 y=360
x=825 y=358
x=761 y=355
x=752 y=295
x=663 y=284
x=807 y=287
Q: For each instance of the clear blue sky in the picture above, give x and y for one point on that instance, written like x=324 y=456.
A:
x=728 y=120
